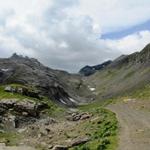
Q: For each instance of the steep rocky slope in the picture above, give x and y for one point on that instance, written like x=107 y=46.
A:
x=123 y=75
x=67 y=89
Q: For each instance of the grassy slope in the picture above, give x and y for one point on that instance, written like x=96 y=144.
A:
x=117 y=81
x=143 y=93
x=7 y=95
x=102 y=130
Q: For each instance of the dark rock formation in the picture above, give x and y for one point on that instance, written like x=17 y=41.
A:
x=89 y=70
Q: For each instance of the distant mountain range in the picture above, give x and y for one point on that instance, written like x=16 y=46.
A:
x=111 y=78
x=89 y=70
x=59 y=86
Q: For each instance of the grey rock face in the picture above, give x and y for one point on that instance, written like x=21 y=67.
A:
x=30 y=107
x=15 y=112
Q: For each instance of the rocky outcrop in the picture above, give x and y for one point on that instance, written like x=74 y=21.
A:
x=15 y=112
x=25 y=106
x=23 y=91
x=79 y=116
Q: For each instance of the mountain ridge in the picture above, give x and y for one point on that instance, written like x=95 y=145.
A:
x=58 y=85
x=109 y=78
x=89 y=70
x=124 y=74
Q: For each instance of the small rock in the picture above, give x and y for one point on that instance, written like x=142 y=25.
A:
x=8 y=89
x=60 y=147
x=24 y=113
x=22 y=130
x=47 y=121
x=80 y=141
x=85 y=116
x=10 y=122
x=79 y=116
x=50 y=146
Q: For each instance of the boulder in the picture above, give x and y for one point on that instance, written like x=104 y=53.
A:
x=8 y=89
x=23 y=107
x=10 y=122
x=26 y=106
x=79 y=116
x=7 y=103
x=85 y=116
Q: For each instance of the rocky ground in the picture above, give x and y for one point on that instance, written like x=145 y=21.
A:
x=67 y=130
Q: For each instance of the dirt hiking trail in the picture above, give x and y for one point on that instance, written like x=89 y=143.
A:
x=134 y=122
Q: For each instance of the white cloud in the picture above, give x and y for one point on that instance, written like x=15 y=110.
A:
x=116 y=14
x=131 y=43
x=66 y=33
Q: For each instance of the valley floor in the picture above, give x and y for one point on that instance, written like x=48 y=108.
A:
x=134 y=118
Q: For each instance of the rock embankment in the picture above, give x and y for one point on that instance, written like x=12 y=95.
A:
x=15 y=112
x=23 y=91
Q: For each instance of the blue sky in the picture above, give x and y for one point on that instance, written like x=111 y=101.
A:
x=125 y=32
x=69 y=34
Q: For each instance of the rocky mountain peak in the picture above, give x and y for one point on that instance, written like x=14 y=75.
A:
x=16 y=56
x=137 y=58
x=89 y=70
x=25 y=60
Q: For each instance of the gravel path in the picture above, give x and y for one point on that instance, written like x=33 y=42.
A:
x=134 y=119
x=15 y=148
